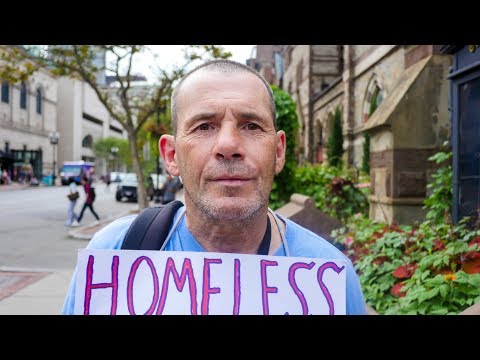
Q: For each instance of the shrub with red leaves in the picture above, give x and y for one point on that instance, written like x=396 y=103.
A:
x=397 y=290
x=405 y=271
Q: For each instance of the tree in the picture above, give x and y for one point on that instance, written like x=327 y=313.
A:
x=284 y=184
x=366 y=143
x=335 y=142
x=124 y=102
x=102 y=149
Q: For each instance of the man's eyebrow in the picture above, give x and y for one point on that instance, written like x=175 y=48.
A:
x=202 y=116
x=249 y=115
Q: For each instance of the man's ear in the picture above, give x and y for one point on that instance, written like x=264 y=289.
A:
x=166 y=146
x=280 y=152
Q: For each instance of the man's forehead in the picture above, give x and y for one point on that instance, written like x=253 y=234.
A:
x=203 y=75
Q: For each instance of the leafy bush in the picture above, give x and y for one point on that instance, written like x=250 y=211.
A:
x=284 y=184
x=334 y=191
x=335 y=143
x=432 y=269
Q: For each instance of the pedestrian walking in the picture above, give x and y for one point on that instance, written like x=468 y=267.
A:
x=89 y=199
x=72 y=196
x=108 y=181
x=171 y=188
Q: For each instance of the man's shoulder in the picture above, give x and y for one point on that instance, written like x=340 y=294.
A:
x=304 y=243
x=112 y=235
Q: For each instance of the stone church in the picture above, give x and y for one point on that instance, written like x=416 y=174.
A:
x=407 y=88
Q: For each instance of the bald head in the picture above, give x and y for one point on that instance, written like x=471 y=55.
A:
x=226 y=67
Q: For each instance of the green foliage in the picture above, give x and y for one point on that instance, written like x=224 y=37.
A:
x=335 y=143
x=284 y=183
x=366 y=154
x=122 y=101
x=334 y=191
x=432 y=269
x=102 y=150
x=440 y=201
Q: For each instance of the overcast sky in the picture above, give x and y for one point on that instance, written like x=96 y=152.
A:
x=167 y=55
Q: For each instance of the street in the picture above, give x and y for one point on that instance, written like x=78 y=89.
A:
x=32 y=231
x=37 y=255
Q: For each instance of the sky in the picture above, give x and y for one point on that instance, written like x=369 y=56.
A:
x=166 y=55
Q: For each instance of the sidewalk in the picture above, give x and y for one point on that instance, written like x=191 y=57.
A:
x=42 y=291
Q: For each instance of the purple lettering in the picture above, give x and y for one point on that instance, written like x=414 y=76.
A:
x=321 y=269
x=236 y=287
x=131 y=277
x=89 y=285
x=293 y=283
x=266 y=289
x=179 y=280
x=207 y=290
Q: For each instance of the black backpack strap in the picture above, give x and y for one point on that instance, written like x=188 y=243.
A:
x=150 y=228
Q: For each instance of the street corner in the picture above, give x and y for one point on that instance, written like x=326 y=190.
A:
x=86 y=232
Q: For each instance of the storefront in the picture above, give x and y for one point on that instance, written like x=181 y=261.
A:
x=26 y=164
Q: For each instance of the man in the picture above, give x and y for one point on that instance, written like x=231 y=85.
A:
x=170 y=190
x=227 y=151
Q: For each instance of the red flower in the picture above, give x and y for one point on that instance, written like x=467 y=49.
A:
x=405 y=271
x=438 y=245
x=397 y=290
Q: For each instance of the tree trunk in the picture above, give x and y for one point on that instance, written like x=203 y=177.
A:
x=141 y=191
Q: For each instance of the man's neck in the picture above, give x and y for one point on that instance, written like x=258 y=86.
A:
x=227 y=236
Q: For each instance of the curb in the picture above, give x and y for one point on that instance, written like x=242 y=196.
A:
x=87 y=231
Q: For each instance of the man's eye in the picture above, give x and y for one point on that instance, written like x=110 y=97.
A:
x=204 y=126
x=253 y=126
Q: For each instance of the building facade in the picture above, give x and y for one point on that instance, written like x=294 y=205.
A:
x=398 y=94
x=465 y=104
x=308 y=70
x=83 y=120
x=268 y=61
x=28 y=115
x=33 y=110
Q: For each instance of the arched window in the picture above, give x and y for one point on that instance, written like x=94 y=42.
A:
x=23 y=95
x=373 y=98
x=39 y=101
x=5 y=92
x=87 y=141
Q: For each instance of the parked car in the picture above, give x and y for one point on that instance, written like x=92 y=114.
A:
x=117 y=176
x=127 y=188
x=156 y=186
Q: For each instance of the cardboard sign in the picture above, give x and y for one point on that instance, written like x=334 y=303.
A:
x=201 y=283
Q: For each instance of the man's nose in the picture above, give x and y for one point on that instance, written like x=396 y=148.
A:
x=228 y=144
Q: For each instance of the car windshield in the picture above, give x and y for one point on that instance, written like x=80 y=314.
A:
x=130 y=178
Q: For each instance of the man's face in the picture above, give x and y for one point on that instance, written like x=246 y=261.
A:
x=226 y=148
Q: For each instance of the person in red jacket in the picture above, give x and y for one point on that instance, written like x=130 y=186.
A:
x=90 y=198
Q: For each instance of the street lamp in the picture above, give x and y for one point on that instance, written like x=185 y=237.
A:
x=54 y=137
x=114 y=150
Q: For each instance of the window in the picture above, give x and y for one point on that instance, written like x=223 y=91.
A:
x=87 y=141
x=373 y=98
x=5 y=92
x=23 y=96
x=39 y=101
